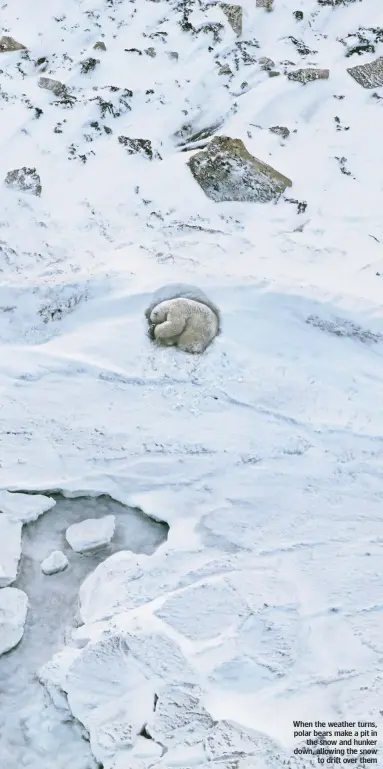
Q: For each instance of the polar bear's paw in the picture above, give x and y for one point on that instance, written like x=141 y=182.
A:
x=185 y=323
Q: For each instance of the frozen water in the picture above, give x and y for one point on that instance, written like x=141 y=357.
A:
x=13 y=613
x=10 y=549
x=91 y=533
x=33 y=733
x=24 y=507
x=56 y=561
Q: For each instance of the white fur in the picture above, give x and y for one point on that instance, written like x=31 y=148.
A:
x=186 y=323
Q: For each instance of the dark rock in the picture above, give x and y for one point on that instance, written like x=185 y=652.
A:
x=88 y=65
x=99 y=46
x=308 y=74
x=266 y=64
x=226 y=171
x=301 y=47
x=280 y=130
x=234 y=14
x=139 y=147
x=58 y=88
x=25 y=180
x=369 y=75
x=225 y=70
x=215 y=29
x=8 y=44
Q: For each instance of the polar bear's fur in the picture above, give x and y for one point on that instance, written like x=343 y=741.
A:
x=181 y=291
x=190 y=325
x=186 y=323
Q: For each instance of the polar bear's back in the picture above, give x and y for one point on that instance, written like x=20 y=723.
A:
x=184 y=291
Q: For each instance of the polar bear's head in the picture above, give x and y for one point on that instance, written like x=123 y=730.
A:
x=159 y=314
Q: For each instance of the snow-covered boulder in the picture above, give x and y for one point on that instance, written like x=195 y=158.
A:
x=227 y=171
x=55 y=562
x=10 y=549
x=91 y=533
x=13 y=613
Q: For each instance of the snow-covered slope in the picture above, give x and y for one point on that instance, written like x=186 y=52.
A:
x=264 y=455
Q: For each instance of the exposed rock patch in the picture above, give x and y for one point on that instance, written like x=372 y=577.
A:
x=369 y=75
x=25 y=180
x=139 y=147
x=227 y=171
x=10 y=44
x=234 y=15
x=266 y=64
x=280 y=130
x=267 y=4
x=308 y=74
x=48 y=84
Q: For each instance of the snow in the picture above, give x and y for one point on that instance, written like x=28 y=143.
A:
x=264 y=455
x=55 y=562
x=91 y=533
x=13 y=613
x=10 y=549
x=25 y=507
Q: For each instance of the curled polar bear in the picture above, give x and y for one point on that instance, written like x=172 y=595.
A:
x=183 y=316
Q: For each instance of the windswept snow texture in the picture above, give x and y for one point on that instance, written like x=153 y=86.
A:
x=264 y=455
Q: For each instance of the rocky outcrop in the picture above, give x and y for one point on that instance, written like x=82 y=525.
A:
x=369 y=75
x=99 y=46
x=266 y=64
x=139 y=147
x=308 y=74
x=234 y=15
x=267 y=4
x=48 y=84
x=25 y=180
x=9 y=44
x=227 y=171
x=280 y=130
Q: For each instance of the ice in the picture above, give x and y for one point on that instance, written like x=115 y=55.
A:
x=55 y=562
x=24 y=507
x=10 y=549
x=13 y=613
x=91 y=533
x=204 y=611
x=179 y=717
x=29 y=715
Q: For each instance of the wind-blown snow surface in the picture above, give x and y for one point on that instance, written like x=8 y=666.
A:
x=265 y=454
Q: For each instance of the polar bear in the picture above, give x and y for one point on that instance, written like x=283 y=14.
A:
x=182 y=315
